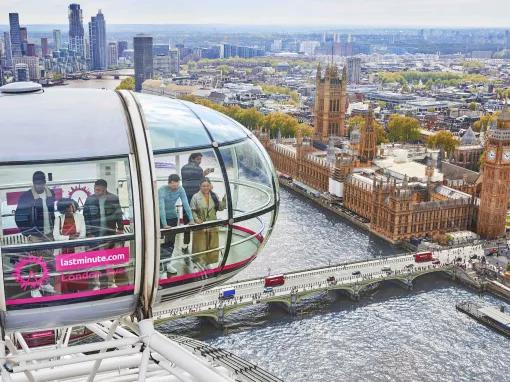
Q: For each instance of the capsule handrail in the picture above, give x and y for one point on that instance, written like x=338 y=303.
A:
x=247 y=238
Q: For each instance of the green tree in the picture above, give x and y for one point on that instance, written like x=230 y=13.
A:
x=485 y=121
x=359 y=122
x=503 y=93
x=403 y=129
x=251 y=118
x=126 y=84
x=443 y=140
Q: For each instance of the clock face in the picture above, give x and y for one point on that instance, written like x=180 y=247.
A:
x=506 y=155
x=491 y=154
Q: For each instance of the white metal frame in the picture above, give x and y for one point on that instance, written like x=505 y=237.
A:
x=120 y=356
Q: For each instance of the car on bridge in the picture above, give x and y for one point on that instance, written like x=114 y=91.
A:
x=268 y=290
x=356 y=273
x=436 y=262
x=386 y=269
x=331 y=280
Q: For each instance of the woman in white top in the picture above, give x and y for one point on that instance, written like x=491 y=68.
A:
x=69 y=224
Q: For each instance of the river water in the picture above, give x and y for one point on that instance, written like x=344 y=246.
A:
x=390 y=335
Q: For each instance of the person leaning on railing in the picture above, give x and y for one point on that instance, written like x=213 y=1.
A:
x=168 y=196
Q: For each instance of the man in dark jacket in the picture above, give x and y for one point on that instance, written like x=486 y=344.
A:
x=192 y=174
x=102 y=212
x=35 y=212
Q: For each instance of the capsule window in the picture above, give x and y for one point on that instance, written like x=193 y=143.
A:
x=67 y=232
x=193 y=212
x=250 y=177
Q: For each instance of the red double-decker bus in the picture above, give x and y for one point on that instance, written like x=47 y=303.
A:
x=422 y=257
x=272 y=281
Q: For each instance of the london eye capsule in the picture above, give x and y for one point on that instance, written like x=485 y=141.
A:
x=113 y=203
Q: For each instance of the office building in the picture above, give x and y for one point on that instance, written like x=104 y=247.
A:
x=175 y=61
x=276 y=46
x=165 y=66
x=32 y=63
x=21 y=72
x=113 y=55
x=23 y=32
x=97 y=34
x=15 y=34
x=121 y=47
x=86 y=49
x=143 y=59
x=160 y=49
x=30 y=50
x=45 y=51
x=308 y=47
x=57 y=39
x=354 y=70
x=76 y=33
x=8 y=51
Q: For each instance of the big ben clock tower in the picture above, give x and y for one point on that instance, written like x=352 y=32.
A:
x=496 y=180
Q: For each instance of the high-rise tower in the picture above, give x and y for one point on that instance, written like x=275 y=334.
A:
x=45 y=50
x=57 y=39
x=143 y=60
x=354 y=69
x=15 y=34
x=496 y=180
x=76 y=33
x=8 y=50
x=330 y=103
x=97 y=35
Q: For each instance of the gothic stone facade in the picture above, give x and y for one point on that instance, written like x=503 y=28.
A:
x=496 y=180
x=400 y=212
x=330 y=104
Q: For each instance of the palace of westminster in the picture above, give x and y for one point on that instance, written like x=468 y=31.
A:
x=404 y=191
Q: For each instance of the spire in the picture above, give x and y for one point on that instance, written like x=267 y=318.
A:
x=344 y=73
x=319 y=69
x=369 y=120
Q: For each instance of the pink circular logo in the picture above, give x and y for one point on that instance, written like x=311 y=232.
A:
x=26 y=276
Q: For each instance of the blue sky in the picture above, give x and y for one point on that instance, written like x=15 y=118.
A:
x=445 y=13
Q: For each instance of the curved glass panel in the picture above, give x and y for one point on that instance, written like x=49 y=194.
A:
x=171 y=124
x=185 y=203
x=66 y=232
x=222 y=128
x=250 y=177
x=248 y=239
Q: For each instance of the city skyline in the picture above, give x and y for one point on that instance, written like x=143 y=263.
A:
x=371 y=13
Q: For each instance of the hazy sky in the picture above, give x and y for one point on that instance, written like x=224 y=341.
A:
x=447 y=13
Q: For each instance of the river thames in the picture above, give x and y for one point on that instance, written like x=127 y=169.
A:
x=390 y=335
